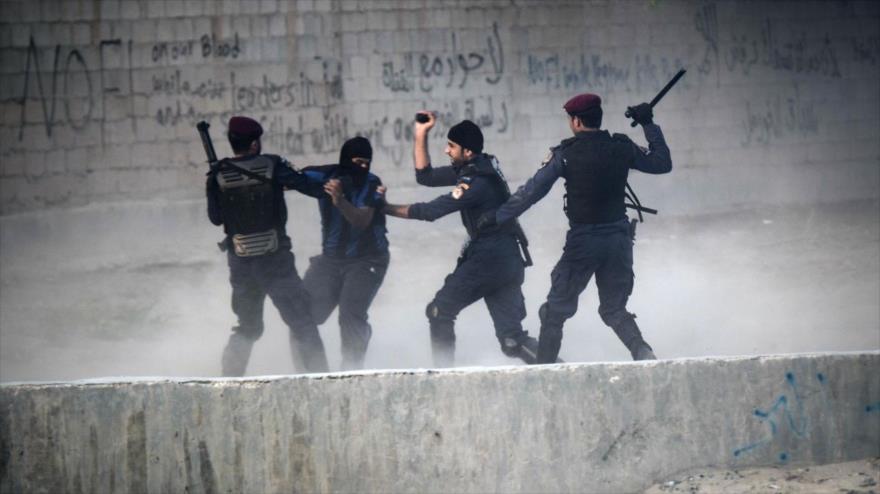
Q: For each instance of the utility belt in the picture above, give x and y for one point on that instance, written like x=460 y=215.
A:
x=516 y=232
x=253 y=244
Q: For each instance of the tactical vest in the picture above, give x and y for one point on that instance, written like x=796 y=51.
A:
x=596 y=168
x=487 y=166
x=250 y=205
x=483 y=166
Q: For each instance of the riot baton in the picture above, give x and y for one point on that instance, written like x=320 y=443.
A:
x=660 y=95
x=206 y=142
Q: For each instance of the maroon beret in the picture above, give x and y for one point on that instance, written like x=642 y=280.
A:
x=245 y=126
x=582 y=103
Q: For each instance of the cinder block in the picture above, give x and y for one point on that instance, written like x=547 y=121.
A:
x=183 y=30
x=55 y=162
x=240 y=25
x=304 y=5
x=154 y=8
x=81 y=34
x=231 y=7
x=59 y=33
x=76 y=160
x=35 y=165
x=375 y=20
x=130 y=9
x=12 y=10
x=165 y=30
x=353 y=22
x=277 y=25
x=196 y=8
x=12 y=165
x=271 y=6
x=175 y=8
x=144 y=31
x=349 y=5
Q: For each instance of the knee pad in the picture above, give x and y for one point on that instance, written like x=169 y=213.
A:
x=437 y=314
x=616 y=318
x=252 y=332
x=542 y=313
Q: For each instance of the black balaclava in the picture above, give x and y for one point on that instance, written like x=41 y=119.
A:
x=356 y=147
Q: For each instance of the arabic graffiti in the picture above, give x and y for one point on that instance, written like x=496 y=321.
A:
x=795 y=53
x=645 y=72
x=778 y=117
x=425 y=71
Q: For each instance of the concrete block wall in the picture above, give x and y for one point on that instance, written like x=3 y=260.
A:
x=566 y=428
x=99 y=98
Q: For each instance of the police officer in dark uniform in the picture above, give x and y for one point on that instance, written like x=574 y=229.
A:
x=246 y=195
x=595 y=165
x=354 y=256
x=491 y=266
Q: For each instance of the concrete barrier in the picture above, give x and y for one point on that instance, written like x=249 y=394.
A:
x=607 y=427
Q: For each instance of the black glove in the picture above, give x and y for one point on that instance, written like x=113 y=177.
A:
x=486 y=221
x=642 y=114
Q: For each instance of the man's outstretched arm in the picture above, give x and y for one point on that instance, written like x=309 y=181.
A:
x=532 y=191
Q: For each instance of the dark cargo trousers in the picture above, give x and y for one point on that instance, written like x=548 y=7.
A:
x=491 y=269
x=603 y=250
x=273 y=274
x=350 y=284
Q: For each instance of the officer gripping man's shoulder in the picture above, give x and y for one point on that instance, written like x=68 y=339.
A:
x=595 y=166
x=245 y=194
x=491 y=266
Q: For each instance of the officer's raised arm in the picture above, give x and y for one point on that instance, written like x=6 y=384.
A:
x=657 y=158
x=426 y=174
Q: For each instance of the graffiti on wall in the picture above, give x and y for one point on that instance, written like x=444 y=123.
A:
x=426 y=71
x=779 y=117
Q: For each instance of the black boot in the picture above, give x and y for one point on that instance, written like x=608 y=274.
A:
x=308 y=353
x=628 y=332
x=442 y=347
x=236 y=355
x=548 y=346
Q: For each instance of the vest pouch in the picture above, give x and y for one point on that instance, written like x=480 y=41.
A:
x=255 y=244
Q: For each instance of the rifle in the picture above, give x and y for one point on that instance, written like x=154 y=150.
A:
x=215 y=164
x=207 y=143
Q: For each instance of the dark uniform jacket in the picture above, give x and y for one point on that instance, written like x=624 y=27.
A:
x=264 y=210
x=478 y=189
x=339 y=238
x=595 y=166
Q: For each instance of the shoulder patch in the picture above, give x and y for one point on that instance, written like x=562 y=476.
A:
x=460 y=189
x=548 y=158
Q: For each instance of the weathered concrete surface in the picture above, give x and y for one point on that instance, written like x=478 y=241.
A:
x=566 y=428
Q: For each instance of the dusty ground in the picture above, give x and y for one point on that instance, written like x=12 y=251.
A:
x=855 y=477
x=140 y=289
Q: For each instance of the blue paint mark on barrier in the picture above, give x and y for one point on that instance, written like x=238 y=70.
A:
x=873 y=407
x=782 y=413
